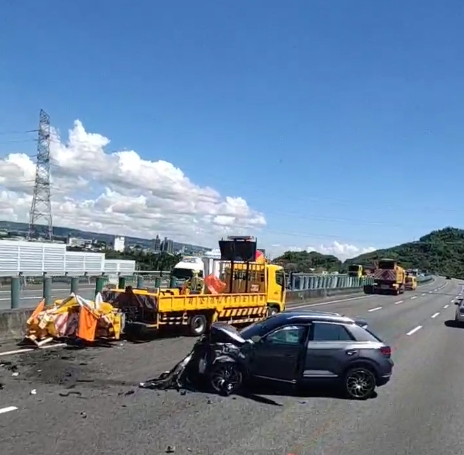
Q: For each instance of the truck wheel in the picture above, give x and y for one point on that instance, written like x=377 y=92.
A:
x=198 y=325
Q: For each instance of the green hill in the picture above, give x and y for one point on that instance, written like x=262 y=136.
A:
x=440 y=252
x=302 y=261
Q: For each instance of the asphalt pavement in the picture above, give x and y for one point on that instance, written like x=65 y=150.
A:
x=87 y=401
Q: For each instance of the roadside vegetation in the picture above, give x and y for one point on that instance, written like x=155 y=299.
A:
x=440 y=252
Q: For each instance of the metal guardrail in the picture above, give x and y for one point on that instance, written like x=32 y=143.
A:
x=307 y=282
x=26 y=292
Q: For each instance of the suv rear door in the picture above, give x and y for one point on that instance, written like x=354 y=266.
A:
x=330 y=348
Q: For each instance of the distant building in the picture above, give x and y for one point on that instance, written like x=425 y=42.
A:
x=119 y=244
x=77 y=242
x=167 y=245
x=157 y=244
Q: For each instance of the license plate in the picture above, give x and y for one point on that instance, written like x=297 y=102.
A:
x=384 y=286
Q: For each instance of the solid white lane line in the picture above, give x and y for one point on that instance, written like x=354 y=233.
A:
x=411 y=332
x=21 y=351
x=399 y=301
x=375 y=309
x=435 y=315
x=446 y=306
x=327 y=303
x=415 y=297
x=8 y=409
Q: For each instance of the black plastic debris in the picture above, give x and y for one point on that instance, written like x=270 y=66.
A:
x=129 y=392
x=72 y=392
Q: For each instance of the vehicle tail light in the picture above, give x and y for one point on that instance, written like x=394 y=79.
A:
x=386 y=351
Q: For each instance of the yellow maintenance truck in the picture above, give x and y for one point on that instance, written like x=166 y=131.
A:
x=355 y=270
x=389 y=278
x=410 y=283
x=241 y=293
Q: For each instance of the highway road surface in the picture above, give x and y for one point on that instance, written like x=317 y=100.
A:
x=87 y=401
x=32 y=294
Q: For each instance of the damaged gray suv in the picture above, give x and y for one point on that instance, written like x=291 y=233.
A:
x=298 y=348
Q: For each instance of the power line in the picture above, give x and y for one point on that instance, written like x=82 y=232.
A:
x=3 y=133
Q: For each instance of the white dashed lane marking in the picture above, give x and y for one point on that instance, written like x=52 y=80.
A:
x=435 y=315
x=8 y=409
x=375 y=309
x=446 y=306
x=415 y=297
x=413 y=331
x=399 y=301
x=22 y=351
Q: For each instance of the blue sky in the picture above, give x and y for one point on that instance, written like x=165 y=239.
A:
x=339 y=120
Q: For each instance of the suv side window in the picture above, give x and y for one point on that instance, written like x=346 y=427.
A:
x=291 y=335
x=330 y=332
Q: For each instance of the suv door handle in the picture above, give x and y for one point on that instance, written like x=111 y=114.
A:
x=351 y=352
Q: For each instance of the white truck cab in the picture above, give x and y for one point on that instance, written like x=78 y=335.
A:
x=184 y=269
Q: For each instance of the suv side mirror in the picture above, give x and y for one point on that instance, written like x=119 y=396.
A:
x=256 y=339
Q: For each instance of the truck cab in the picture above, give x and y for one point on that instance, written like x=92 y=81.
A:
x=355 y=270
x=187 y=268
x=262 y=278
x=410 y=283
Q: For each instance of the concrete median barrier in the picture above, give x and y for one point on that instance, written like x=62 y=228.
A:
x=13 y=323
x=323 y=293
x=309 y=294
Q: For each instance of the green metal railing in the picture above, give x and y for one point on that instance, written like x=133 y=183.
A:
x=304 y=282
x=26 y=292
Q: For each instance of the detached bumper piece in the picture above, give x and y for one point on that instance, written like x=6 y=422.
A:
x=173 y=379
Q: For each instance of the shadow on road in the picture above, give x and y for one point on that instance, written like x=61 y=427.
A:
x=454 y=324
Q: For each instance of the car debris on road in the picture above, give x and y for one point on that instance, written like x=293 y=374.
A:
x=74 y=317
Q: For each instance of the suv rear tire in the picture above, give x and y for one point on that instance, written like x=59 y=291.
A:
x=359 y=383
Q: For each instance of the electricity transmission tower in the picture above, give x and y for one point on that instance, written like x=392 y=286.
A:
x=41 y=208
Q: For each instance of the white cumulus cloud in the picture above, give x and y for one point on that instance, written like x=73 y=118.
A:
x=122 y=193
x=341 y=250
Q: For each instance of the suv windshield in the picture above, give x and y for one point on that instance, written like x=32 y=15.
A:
x=258 y=328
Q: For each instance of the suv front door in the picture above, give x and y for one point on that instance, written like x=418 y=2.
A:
x=278 y=354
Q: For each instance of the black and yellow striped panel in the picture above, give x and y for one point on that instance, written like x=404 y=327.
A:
x=243 y=312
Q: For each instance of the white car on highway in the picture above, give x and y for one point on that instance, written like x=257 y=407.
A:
x=459 y=315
